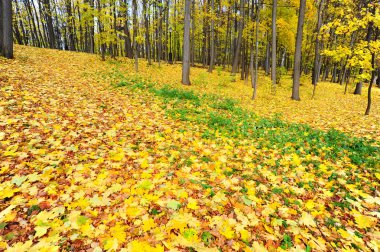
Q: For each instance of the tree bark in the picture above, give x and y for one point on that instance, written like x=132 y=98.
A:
x=186 y=45
x=298 y=52
x=369 y=101
x=212 y=38
x=274 y=44
x=315 y=75
x=49 y=23
x=135 y=30
x=1 y=28
x=7 y=48
x=235 y=64
x=147 y=36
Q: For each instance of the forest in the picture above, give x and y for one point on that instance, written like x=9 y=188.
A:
x=189 y=125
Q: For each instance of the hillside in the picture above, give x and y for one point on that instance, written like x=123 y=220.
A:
x=94 y=157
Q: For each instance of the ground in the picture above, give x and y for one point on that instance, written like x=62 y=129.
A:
x=94 y=157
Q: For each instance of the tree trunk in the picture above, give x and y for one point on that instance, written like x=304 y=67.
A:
x=315 y=75
x=298 y=52
x=1 y=28
x=369 y=102
x=135 y=30
x=70 y=26
x=274 y=44
x=186 y=45
x=235 y=64
x=212 y=39
x=147 y=36
x=49 y=23
x=7 y=48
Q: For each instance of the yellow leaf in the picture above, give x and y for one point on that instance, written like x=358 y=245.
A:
x=309 y=205
x=364 y=221
x=148 y=224
x=307 y=220
x=192 y=204
x=118 y=232
x=41 y=230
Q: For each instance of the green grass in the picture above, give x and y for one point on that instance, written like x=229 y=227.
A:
x=224 y=116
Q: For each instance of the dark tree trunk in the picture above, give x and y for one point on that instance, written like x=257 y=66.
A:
x=298 y=52
x=373 y=74
x=1 y=28
x=135 y=30
x=70 y=26
x=315 y=75
x=147 y=36
x=212 y=39
x=274 y=44
x=49 y=23
x=235 y=64
x=7 y=48
x=127 y=38
x=186 y=45
x=267 y=57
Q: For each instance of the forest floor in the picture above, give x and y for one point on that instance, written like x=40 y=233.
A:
x=94 y=157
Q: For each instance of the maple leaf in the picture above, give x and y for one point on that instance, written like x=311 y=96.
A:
x=41 y=230
x=307 y=220
x=173 y=204
x=365 y=221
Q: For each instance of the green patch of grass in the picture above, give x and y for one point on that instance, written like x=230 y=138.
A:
x=224 y=117
x=224 y=104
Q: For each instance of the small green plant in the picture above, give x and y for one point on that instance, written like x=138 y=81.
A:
x=286 y=242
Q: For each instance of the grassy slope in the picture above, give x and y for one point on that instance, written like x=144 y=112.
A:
x=93 y=156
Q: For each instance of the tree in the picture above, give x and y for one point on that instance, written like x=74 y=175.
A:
x=239 y=38
x=315 y=75
x=147 y=36
x=373 y=65
x=298 y=52
x=7 y=31
x=49 y=23
x=186 y=45
x=135 y=30
x=274 y=44
x=1 y=27
x=212 y=39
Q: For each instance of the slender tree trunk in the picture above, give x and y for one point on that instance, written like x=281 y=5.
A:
x=257 y=51
x=49 y=23
x=315 y=75
x=147 y=36
x=135 y=30
x=235 y=64
x=127 y=36
x=298 y=52
x=186 y=45
x=70 y=26
x=7 y=48
x=212 y=38
x=274 y=44
x=159 y=44
x=369 y=102
x=267 y=57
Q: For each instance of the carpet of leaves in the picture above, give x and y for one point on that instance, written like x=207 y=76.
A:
x=88 y=167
